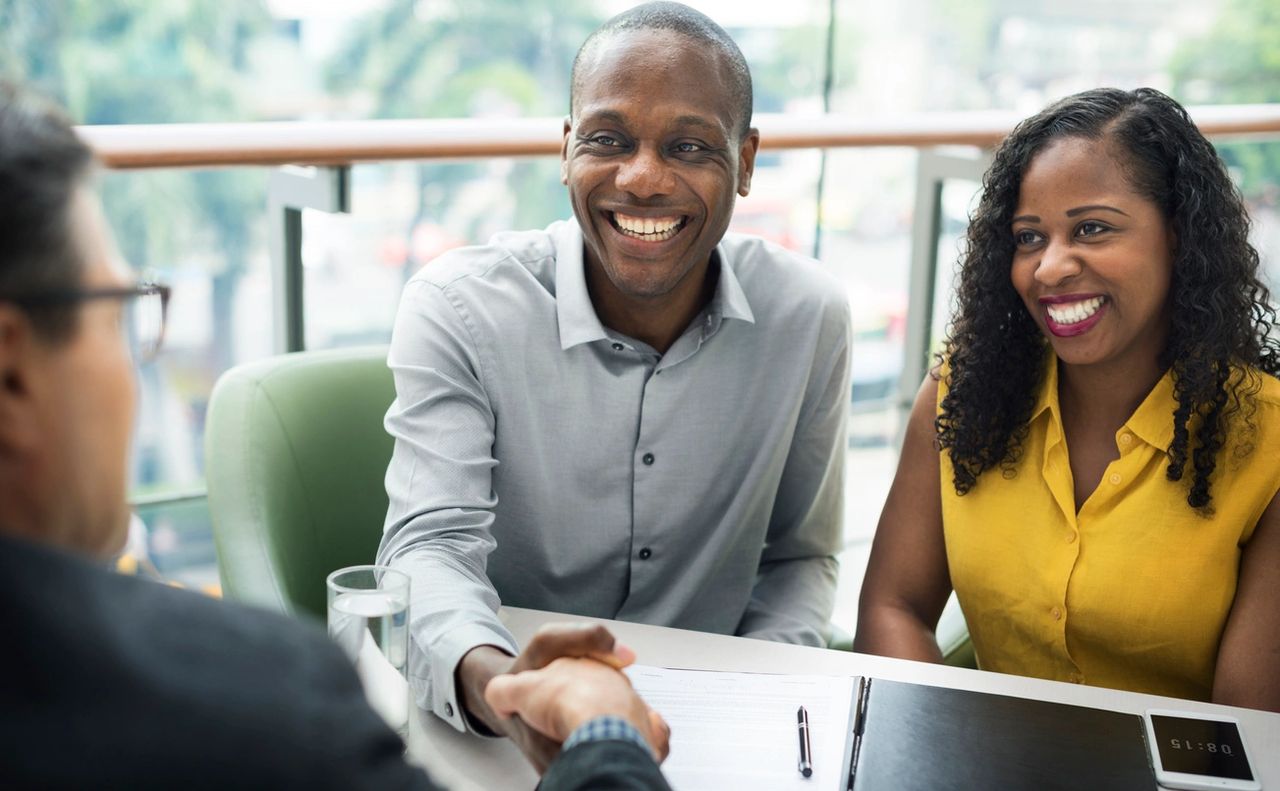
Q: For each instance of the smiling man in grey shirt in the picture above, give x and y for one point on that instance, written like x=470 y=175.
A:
x=628 y=415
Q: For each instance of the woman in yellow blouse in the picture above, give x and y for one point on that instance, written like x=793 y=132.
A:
x=1093 y=465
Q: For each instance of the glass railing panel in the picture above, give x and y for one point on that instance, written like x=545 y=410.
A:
x=959 y=199
x=203 y=232
x=866 y=244
x=1264 y=210
x=179 y=542
x=403 y=215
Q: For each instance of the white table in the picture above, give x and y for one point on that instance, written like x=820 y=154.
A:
x=465 y=761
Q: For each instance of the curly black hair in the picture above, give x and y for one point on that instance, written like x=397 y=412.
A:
x=1221 y=316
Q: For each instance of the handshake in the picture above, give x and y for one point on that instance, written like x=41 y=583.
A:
x=567 y=675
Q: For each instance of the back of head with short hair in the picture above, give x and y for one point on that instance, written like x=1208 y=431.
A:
x=42 y=163
x=682 y=19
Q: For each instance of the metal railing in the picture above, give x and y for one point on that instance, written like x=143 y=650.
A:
x=350 y=142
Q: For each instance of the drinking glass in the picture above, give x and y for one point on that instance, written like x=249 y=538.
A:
x=369 y=619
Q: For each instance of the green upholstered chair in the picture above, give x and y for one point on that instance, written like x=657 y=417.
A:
x=295 y=455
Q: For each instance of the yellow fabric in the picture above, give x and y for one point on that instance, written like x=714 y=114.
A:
x=1134 y=591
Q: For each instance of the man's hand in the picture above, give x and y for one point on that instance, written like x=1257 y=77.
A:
x=553 y=641
x=570 y=692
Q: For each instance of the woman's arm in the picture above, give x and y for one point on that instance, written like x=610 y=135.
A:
x=907 y=581
x=1248 y=671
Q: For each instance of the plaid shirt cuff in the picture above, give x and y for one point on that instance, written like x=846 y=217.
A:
x=606 y=728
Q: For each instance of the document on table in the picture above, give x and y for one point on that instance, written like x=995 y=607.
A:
x=738 y=730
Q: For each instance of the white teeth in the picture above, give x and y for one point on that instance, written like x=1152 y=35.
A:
x=1074 y=312
x=653 y=229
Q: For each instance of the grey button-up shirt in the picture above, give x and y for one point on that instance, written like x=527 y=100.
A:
x=544 y=458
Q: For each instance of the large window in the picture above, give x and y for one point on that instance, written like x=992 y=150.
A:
x=240 y=60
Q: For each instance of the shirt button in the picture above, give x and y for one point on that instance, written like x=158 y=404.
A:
x=1056 y=613
x=448 y=709
x=1115 y=478
x=617 y=347
x=647 y=459
x=1125 y=439
x=646 y=553
x=1071 y=538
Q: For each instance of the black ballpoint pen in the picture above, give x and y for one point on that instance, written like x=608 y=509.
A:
x=806 y=755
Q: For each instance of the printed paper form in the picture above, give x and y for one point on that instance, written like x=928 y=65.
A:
x=738 y=730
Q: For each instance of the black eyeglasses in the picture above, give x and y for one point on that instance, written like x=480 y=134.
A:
x=146 y=309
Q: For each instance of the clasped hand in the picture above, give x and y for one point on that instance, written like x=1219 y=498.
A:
x=567 y=675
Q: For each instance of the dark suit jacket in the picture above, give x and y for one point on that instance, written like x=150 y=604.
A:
x=109 y=681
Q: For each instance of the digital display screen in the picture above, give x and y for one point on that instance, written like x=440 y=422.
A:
x=1201 y=747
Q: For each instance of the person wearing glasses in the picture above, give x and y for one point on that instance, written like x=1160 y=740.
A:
x=108 y=681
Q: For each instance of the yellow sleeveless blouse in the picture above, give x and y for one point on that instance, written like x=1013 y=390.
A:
x=1133 y=592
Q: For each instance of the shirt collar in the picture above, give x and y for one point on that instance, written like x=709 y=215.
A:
x=574 y=311
x=729 y=301
x=1152 y=421
x=1047 y=400
x=577 y=316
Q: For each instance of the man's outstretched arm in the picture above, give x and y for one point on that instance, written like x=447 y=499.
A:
x=440 y=492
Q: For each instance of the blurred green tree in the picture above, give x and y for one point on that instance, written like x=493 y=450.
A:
x=137 y=61
x=1237 y=62
x=443 y=59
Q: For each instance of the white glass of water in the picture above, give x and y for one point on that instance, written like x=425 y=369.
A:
x=369 y=619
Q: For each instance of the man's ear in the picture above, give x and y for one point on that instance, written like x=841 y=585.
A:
x=564 y=151
x=19 y=427
x=747 y=160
